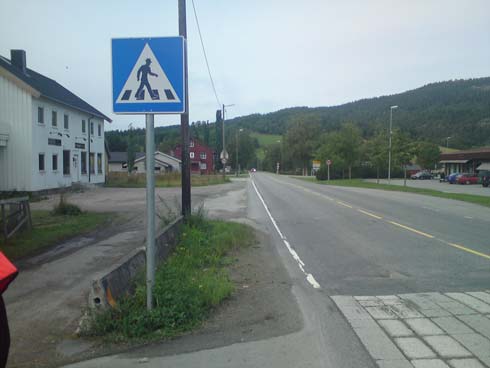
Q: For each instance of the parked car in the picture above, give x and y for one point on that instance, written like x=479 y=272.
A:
x=485 y=178
x=421 y=175
x=467 y=179
x=451 y=179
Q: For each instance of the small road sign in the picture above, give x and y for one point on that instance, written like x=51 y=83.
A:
x=329 y=162
x=224 y=155
x=148 y=75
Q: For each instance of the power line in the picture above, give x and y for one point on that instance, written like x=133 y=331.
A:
x=205 y=56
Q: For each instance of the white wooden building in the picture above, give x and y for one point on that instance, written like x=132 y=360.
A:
x=49 y=137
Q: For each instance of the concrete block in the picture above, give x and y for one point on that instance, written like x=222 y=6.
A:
x=399 y=363
x=395 y=327
x=471 y=302
x=457 y=308
x=465 y=363
x=424 y=326
x=379 y=346
x=429 y=363
x=479 y=323
x=381 y=312
x=452 y=325
x=414 y=348
x=481 y=295
x=476 y=343
x=447 y=347
x=438 y=312
x=404 y=311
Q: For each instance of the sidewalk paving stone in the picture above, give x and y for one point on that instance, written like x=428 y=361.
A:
x=424 y=326
x=447 y=347
x=414 y=348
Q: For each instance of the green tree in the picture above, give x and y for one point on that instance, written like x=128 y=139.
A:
x=427 y=154
x=376 y=151
x=301 y=141
x=349 y=145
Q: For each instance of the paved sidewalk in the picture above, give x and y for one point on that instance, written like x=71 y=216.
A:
x=425 y=330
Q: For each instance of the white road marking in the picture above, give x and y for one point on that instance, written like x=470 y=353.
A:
x=309 y=277
x=468 y=217
x=370 y=214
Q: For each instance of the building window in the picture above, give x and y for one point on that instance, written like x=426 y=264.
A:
x=191 y=154
x=99 y=163
x=91 y=128
x=65 y=122
x=84 y=162
x=55 y=162
x=91 y=163
x=191 y=144
x=66 y=162
x=203 y=166
x=41 y=162
x=99 y=130
x=203 y=155
x=40 y=115
x=84 y=128
x=54 y=118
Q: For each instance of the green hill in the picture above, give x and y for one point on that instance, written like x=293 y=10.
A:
x=458 y=108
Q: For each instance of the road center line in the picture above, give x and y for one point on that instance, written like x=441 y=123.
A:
x=412 y=229
x=344 y=204
x=370 y=214
x=468 y=250
x=294 y=254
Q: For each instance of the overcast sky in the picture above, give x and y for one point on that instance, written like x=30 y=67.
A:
x=264 y=54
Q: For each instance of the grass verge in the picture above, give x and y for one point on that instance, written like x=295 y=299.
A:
x=359 y=183
x=49 y=229
x=123 y=180
x=188 y=286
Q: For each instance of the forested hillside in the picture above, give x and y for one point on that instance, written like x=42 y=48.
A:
x=459 y=108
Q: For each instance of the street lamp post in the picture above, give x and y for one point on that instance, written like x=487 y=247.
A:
x=224 y=146
x=236 y=163
x=389 y=145
x=447 y=141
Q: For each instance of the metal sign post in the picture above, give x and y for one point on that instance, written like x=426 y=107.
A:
x=149 y=76
x=150 y=208
x=329 y=162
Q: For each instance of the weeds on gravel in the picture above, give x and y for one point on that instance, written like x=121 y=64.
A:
x=188 y=285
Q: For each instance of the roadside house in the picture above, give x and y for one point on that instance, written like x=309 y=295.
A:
x=49 y=137
x=118 y=161
x=467 y=161
x=201 y=157
x=163 y=163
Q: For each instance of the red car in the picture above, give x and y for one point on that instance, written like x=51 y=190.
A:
x=467 y=179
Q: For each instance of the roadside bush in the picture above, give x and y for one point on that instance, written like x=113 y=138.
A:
x=187 y=286
x=64 y=208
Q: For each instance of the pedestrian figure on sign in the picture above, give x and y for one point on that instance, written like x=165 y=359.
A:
x=143 y=72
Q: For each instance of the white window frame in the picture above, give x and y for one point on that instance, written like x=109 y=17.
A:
x=203 y=166
x=99 y=130
x=191 y=154
x=66 y=122
x=203 y=155
x=191 y=144
x=43 y=120
x=54 y=124
x=84 y=126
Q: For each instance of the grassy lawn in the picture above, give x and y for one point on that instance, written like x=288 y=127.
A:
x=188 y=285
x=48 y=230
x=122 y=180
x=359 y=183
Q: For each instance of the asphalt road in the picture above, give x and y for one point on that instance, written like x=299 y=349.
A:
x=368 y=242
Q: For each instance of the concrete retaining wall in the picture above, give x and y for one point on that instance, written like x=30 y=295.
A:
x=118 y=281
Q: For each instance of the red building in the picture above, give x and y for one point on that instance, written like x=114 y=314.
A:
x=201 y=157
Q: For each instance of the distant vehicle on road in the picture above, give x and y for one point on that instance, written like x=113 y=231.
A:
x=253 y=170
x=467 y=179
x=421 y=175
x=485 y=178
x=451 y=179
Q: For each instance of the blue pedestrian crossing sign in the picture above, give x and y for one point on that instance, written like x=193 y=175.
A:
x=148 y=75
